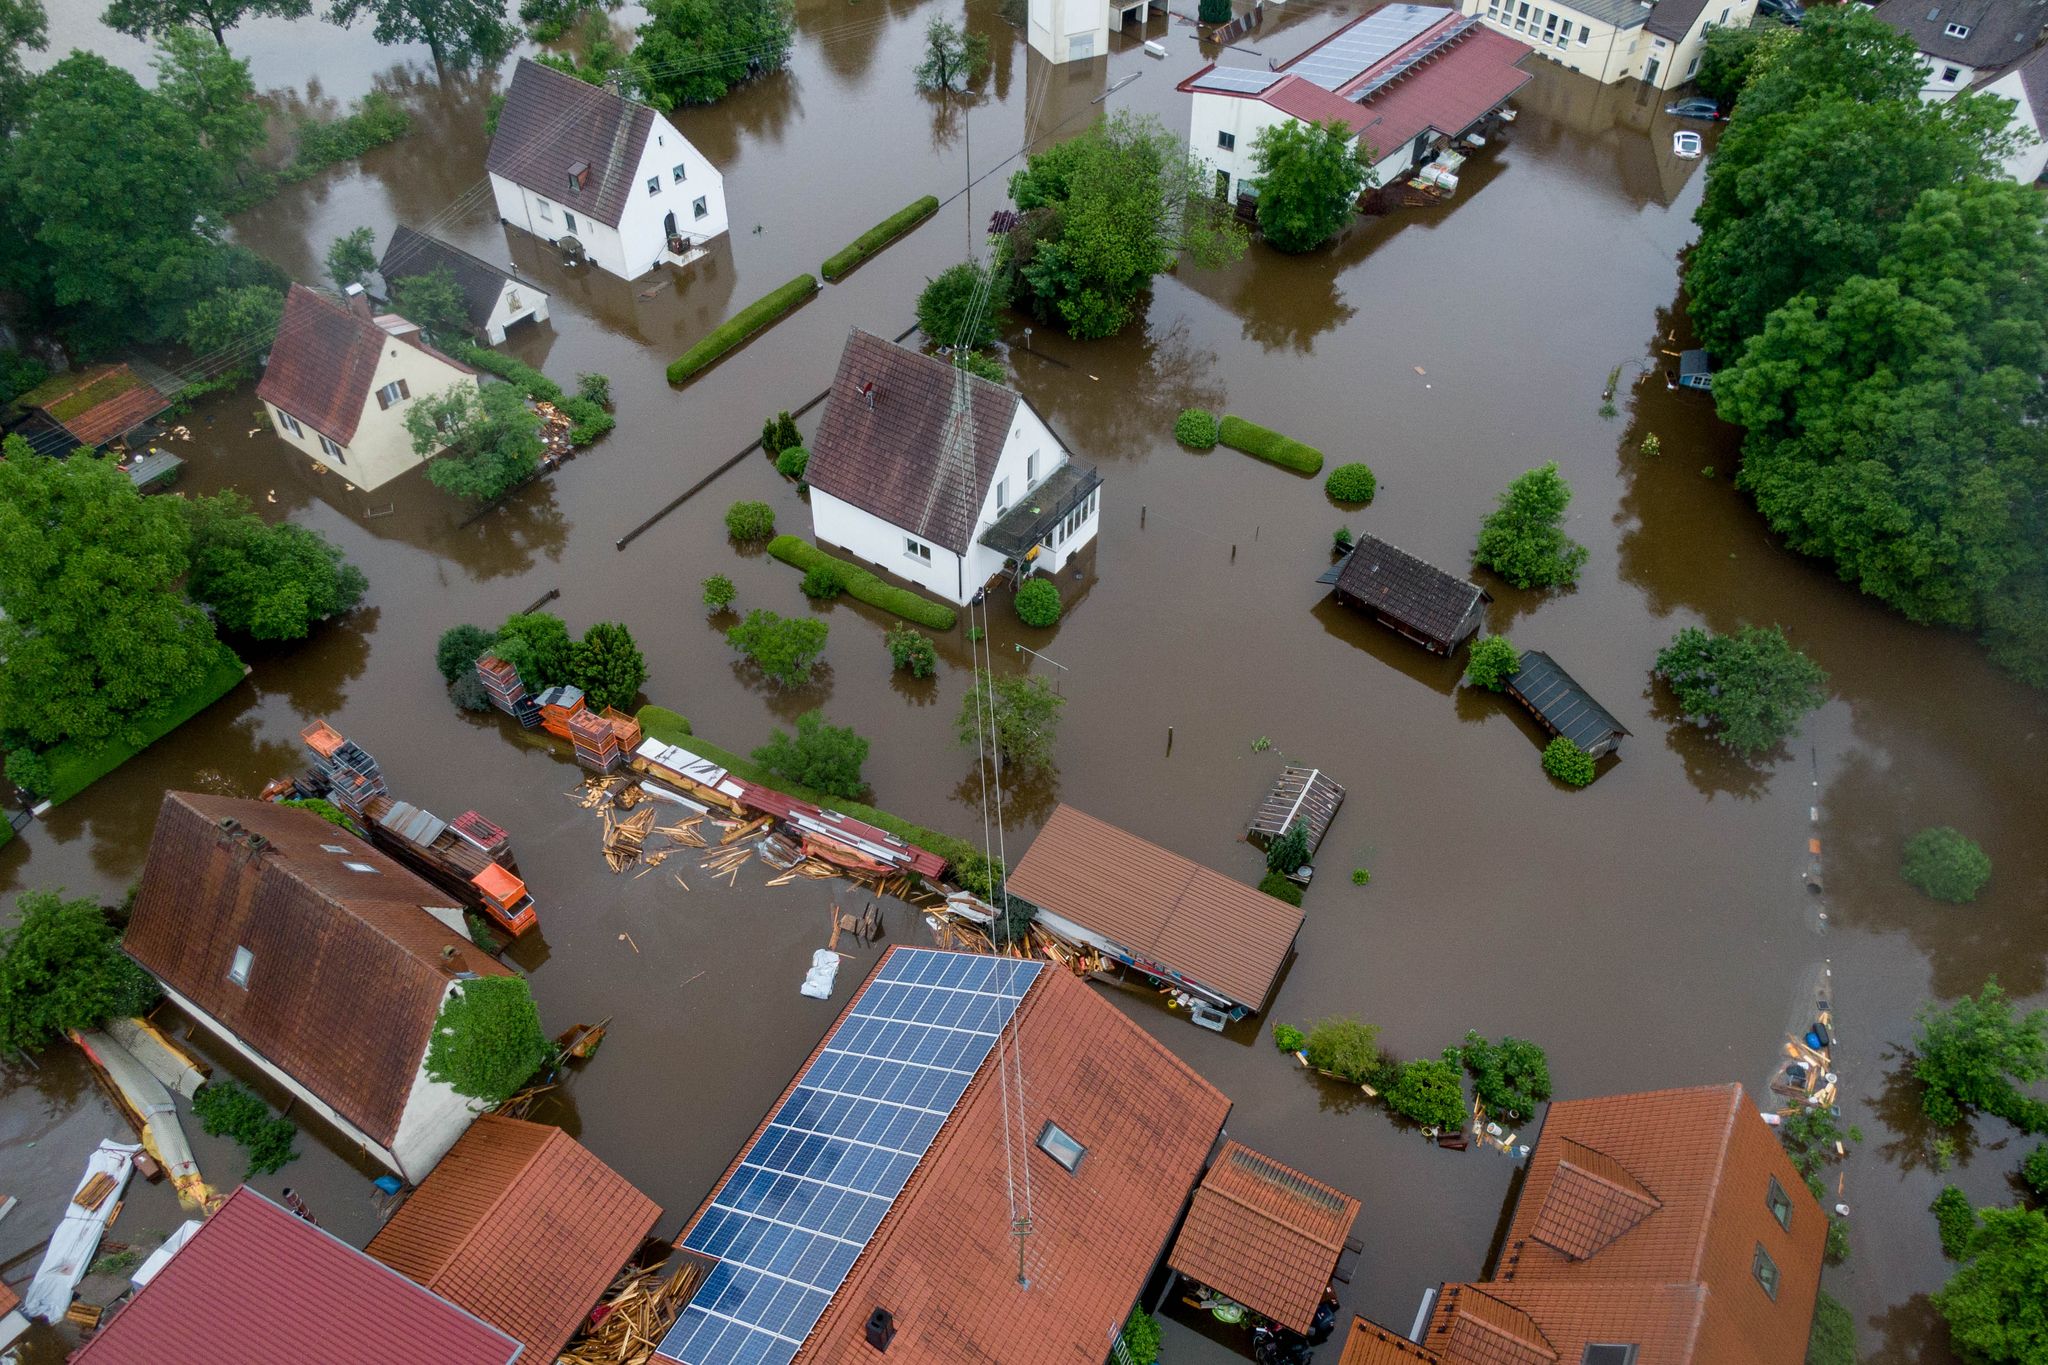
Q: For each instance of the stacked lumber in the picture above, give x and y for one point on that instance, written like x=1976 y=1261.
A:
x=624 y=728
x=636 y=1313
x=623 y=838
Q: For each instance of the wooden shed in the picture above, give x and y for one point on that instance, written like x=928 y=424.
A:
x=1437 y=610
x=1561 y=706
x=1304 y=794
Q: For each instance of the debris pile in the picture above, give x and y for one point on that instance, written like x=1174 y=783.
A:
x=636 y=1313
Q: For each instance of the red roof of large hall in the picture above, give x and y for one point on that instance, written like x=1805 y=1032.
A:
x=258 y=1285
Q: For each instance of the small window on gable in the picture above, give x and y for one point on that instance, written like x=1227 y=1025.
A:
x=917 y=550
x=547 y=210
x=359 y=867
x=1058 y=1144
x=1031 y=467
x=334 y=452
x=1957 y=30
x=1765 y=1269
x=1950 y=73
x=238 y=970
x=1002 y=496
x=1779 y=1204
x=653 y=184
x=394 y=392
x=290 y=423
x=677 y=172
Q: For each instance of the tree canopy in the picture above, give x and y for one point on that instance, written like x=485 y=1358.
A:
x=785 y=649
x=352 y=256
x=946 y=305
x=1975 y=1053
x=826 y=758
x=1732 y=57
x=268 y=582
x=1946 y=864
x=231 y=327
x=157 y=18
x=1523 y=538
x=1104 y=212
x=697 y=51
x=457 y=32
x=1310 y=176
x=953 y=59
x=488 y=439
x=1013 y=718
x=1750 y=688
x=433 y=300
x=61 y=967
x=607 y=664
x=216 y=95
x=95 y=626
x=1996 y=1310
x=487 y=1040
x=23 y=28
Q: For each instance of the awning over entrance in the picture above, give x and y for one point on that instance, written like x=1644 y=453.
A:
x=1044 y=507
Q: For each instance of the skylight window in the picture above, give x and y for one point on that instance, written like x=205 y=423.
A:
x=1058 y=1144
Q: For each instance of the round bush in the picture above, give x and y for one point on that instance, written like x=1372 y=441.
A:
x=1491 y=662
x=1567 y=762
x=1038 y=602
x=824 y=582
x=1277 y=885
x=1288 y=1038
x=719 y=592
x=1353 y=483
x=792 y=463
x=1196 y=428
x=1942 y=863
x=750 y=522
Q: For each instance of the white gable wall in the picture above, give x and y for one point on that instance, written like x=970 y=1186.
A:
x=516 y=301
x=1216 y=117
x=434 y=1117
x=1069 y=30
x=381 y=448
x=2026 y=164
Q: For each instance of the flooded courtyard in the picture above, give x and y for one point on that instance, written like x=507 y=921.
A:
x=1651 y=930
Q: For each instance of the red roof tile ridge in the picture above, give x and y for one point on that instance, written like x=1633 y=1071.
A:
x=1535 y=1339
x=1734 y=1093
x=1268 y=1215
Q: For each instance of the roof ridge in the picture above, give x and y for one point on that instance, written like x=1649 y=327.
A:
x=1734 y=1093
x=1272 y=1218
x=1542 y=1341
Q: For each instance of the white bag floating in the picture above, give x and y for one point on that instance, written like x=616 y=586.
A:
x=824 y=971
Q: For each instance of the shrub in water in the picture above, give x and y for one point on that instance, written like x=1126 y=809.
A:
x=1288 y=852
x=1343 y=1047
x=792 y=463
x=1266 y=444
x=1277 y=886
x=1942 y=863
x=1352 y=482
x=1196 y=428
x=459 y=649
x=750 y=522
x=1491 y=662
x=1359 y=876
x=1288 y=1038
x=1038 y=602
x=1567 y=762
x=2034 y=1170
x=823 y=582
x=1431 y=1092
x=226 y=1109
x=1954 y=1220
x=719 y=592
x=912 y=651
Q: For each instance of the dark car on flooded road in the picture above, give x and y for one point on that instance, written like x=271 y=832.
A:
x=1699 y=106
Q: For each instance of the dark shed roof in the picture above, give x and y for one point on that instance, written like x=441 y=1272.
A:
x=1564 y=707
x=415 y=253
x=1406 y=590
x=553 y=122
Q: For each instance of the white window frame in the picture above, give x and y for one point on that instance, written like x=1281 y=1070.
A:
x=1002 y=495
x=392 y=394
x=238 y=970
x=653 y=186
x=1226 y=141
x=1957 y=30
x=547 y=210
x=917 y=550
x=291 y=424
x=1951 y=74
x=679 y=172
x=1061 y=1145
x=333 y=848
x=1585 y=33
x=333 y=451
x=1031 y=469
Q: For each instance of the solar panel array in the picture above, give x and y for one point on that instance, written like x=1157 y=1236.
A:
x=810 y=1191
x=1235 y=80
x=1415 y=58
x=1351 y=53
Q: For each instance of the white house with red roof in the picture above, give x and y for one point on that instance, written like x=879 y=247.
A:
x=1407 y=80
x=341 y=379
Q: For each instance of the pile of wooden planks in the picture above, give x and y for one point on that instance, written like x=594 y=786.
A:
x=637 y=1312
x=623 y=839
x=727 y=862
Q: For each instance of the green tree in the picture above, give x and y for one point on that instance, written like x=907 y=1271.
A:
x=458 y=650
x=1014 y=719
x=952 y=312
x=232 y=1110
x=1944 y=864
x=1511 y=1078
x=953 y=59
x=435 y=301
x=1750 y=688
x=2034 y=1170
x=1215 y=11
x=823 y=757
x=1343 y=1047
x=488 y=439
x=93 y=628
x=117 y=264
x=697 y=51
x=1140 y=1339
x=1281 y=887
x=267 y=582
x=1310 y=176
x=793 y=462
x=351 y=257
x=1102 y=214
x=1955 y=1219
x=1523 y=538
x=457 y=32
x=783 y=649
x=214 y=92
x=1289 y=852
x=61 y=968
x=779 y=433
x=1997 y=1313
x=608 y=666
x=155 y=18
x=537 y=643
x=1564 y=760
x=912 y=651
x=1038 y=602
x=233 y=321
x=487 y=1041
x=1491 y=662
x=23 y=28
x=1732 y=57
x=1973 y=1054
x=1432 y=1092
x=719 y=592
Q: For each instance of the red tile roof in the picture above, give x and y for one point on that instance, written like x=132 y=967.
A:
x=943 y=1260
x=1265 y=1234
x=1372 y=1344
x=257 y=1285
x=552 y=122
x=1448 y=93
x=1168 y=910
x=324 y=362
x=347 y=974
x=96 y=405
x=1689 y=1173
x=521 y=1225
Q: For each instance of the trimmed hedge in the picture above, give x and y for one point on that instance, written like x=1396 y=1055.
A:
x=1284 y=451
x=1195 y=428
x=740 y=326
x=73 y=766
x=656 y=722
x=862 y=585
x=841 y=263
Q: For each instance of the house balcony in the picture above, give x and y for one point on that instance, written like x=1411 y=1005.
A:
x=1019 y=532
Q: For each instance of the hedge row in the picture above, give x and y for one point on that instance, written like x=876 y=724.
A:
x=741 y=325
x=668 y=727
x=863 y=585
x=72 y=765
x=587 y=420
x=1285 y=451
x=875 y=238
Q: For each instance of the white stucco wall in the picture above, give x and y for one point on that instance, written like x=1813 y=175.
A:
x=516 y=302
x=381 y=448
x=1214 y=116
x=2027 y=163
x=1069 y=30
x=1941 y=87
x=434 y=1116
x=1601 y=50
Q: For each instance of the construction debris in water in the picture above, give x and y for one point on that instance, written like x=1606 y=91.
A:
x=636 y=1313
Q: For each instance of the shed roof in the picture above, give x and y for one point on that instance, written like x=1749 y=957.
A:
x=346 y=975
x=1265 y=1234
x=885 y=449
x=1306 y=795
x=521 y=1225
x=1167 y=909
x=552 y=122
x=415 y=253
x=1565 y=707
x=1371 y=1344
x=1994 y=32
x=1404 y=589
x=256 y=1285
x=325 y=360
x=95 y=405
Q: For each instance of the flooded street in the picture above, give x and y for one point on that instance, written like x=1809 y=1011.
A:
x=1651 y=930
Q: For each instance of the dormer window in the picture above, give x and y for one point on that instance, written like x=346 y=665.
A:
x=578 y=175
x=1058 y=1144
x=238 y=970
x=1957 y=30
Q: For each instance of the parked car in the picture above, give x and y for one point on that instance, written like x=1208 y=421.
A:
x=1686 y=146
x=1791 y=11
x=1698 y=106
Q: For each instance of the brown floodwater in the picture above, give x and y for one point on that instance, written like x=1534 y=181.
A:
x=1651 y=930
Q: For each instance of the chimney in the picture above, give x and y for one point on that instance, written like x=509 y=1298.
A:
x=881 y=1329
x=358 y=302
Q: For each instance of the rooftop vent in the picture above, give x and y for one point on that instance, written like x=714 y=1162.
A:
x=881 y=1329
x=579 y=174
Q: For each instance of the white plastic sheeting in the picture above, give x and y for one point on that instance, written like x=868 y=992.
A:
x=824 y=971
x=161 y=1257
x=77 y=1237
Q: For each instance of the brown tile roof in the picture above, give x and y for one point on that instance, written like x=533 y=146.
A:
x=325 y=360
x=552 y=122
x=1677 y=1280
x=1408 y=590
x=257 y=1285
x=888 y=457
x=943 y=1260
x=1372 y=1344
x=346 y=975
x=1999 y=31
x=96 y=405
x=1265 y=1234
x=415 y=253
x=1485 y=1330
x=1168 y=910
x=521 y=1225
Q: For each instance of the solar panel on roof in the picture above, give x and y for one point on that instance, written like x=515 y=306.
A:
x=810 y=1191
x=1353 y=51
x=1235 y=80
